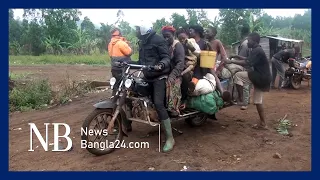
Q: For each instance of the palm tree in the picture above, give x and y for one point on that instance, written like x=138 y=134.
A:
x=79 y=46
x=53 y=45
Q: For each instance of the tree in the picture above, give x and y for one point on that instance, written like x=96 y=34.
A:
x=266 y=20
x=302 y=21
x=125 y=28
x=232 y=20
x=204 y=20
x=88 y=27
x=104 y=35
x=157 y=26
x=192 y=17
x=56 y=30
x=15 y=29
x=58 y=23
x=35 y=35
x=178 y=20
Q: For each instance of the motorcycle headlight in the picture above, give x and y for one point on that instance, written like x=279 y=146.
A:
x=128 y=83
x=112 y=81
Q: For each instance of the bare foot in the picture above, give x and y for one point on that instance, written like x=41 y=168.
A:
x=260 y=127
x=244 y=107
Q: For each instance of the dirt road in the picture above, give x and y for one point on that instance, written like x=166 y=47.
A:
x=227 y=144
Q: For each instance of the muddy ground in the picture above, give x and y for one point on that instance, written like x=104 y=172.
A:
x=227 y=144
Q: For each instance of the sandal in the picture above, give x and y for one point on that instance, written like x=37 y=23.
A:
x=182 y=107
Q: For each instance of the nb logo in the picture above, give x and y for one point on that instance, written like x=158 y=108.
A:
x=56 y=136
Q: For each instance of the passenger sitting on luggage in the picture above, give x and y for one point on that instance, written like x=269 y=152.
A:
x=177 y=53
x=197 y=32
x=192 y=52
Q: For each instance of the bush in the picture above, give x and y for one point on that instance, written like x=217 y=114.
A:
x=32 y=95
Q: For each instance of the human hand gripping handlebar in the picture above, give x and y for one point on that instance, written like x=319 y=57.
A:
x=158 y=67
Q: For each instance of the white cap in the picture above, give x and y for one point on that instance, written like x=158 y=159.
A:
x=145 y=27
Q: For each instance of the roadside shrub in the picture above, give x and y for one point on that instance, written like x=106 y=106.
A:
x=32 y=95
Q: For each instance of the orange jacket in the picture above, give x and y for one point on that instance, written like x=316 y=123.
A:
x=118 y=47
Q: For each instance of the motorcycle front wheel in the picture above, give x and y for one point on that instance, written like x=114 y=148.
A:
x=98 y=142
x=295 y=82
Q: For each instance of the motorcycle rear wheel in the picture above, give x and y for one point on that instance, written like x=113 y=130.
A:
x=199 y=120
x=105 y=113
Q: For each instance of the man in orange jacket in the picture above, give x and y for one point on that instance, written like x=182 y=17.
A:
x=119 y=51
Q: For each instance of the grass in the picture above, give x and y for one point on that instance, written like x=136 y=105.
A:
x=38 y=94
x=18 y=76
x=97 y=59
x=32 y=95
x=306 y=51
x=101 y=59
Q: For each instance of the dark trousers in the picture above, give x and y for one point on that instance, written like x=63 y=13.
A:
x=200 y=72
x=277 y=68
x=158 y=87
x=116 y=73
x=186 y=79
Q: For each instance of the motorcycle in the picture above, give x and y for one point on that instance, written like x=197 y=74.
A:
x=130 y=102
x=297 y=72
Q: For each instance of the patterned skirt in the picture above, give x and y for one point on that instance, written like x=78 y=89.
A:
x=173 y=95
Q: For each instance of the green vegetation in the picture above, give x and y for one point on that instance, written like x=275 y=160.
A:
x=17 y=76
x=38 y=93
x=52 y=59
x=60 y=32
x=33 y=95
x=99 y=59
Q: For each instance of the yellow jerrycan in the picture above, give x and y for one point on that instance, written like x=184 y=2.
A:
x=208 y=59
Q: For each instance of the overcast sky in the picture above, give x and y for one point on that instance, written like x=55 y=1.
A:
x=133 y=16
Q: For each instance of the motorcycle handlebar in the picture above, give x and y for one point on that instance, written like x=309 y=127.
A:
x=136 y=66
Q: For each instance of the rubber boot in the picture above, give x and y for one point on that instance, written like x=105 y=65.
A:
x=127 y=124
x=169 y=137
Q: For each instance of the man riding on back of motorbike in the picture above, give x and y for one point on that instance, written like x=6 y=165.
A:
x=154 y=51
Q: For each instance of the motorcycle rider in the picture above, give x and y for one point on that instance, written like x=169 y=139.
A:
x=154 y=51
x=278 y=62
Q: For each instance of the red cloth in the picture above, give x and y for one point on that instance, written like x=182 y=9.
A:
x=168 y=28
